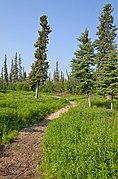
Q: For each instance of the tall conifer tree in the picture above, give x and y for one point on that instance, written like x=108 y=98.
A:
x=15 y=69
x=62 y=77
x=2 y=76
x=81 y=65
x=24 y=74
x=107 y=59
x=39 y=72
x=56 y=73
x=20 y=75
x=11 y=72
x=5 y=70
x=106 y=34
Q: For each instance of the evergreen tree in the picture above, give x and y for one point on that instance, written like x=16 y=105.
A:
x=5 y=70
x=24 y=74
x=11 y=72
x=49 y=77
x=107 y=59
x=62 y=77
x=107 y=76
x=15 y=69
x=56 y=73
x=20 y=75
x=68 y=75
x=106 y=34
x=2 y=74
x=39 y=72
x=81 y=65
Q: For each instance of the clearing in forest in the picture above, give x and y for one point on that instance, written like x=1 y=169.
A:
x=20 y=158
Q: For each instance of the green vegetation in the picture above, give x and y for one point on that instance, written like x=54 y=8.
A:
x=82 y=65
x=107 y=55
x=39 y=72
x=21 y=109
x=82 y=143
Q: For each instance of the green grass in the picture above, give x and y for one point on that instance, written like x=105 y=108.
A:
x=21 y=109
x=82 y=144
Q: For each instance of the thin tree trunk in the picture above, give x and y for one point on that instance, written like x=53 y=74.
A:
x=111 y=102
x=36 y=95
x=89 y=100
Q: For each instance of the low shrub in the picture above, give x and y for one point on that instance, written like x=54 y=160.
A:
x=21 y=109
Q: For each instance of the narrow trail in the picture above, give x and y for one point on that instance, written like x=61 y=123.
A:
x=19 y=159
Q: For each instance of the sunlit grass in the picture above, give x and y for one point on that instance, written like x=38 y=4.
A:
x=82 y=144
x=21 y=109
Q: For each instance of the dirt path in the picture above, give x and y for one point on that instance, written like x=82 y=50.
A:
x=19 y=159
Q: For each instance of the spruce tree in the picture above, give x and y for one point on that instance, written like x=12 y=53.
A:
x=62 y=77
x=49 y=77
x=107 y=59
x=107 y=76
x=82 y=65
x=24 y=74
x=11 y=72
x=2 y=74
x=39 y=72
x=106 y=34
x=68 y=75
x=20 y=75
x=15 y=69
x=5 y=70
x=56 y=73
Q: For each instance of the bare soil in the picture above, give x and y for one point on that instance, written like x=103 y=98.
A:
x=19 y=159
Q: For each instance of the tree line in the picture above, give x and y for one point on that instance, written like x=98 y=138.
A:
x=93 y=70
x=14 y=75
x=95 y=66
x=101 y=54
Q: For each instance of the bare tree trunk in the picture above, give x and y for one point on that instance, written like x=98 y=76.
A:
x=111 y=105
x=111 y=102
x=36 y=95
x=89 y=100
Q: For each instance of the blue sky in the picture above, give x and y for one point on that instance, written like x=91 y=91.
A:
x=19 y=25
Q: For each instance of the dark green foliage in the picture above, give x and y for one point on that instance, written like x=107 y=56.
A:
x=62 y=77
x=107 y=75
x=11 y=73
x=24 y=74
x=81 y=65
x=82 y=144
x=15 y=69
x=106 y=34
x=56 y=73
x=40 y=67
x=107 y=57
x=20 y=75
x=1 y=84
x=2 y=76
x=47 y=86
x=5 y=70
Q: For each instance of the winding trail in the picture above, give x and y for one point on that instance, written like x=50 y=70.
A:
x=19 y=159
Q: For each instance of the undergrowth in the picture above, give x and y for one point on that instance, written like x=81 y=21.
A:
x=82 y=144
x=21 y=109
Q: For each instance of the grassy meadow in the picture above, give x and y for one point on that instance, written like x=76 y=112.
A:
x=83 y=143
x=21 y=109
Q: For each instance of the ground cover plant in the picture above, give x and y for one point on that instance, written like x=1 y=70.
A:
x=82 y=144
x=21 y=109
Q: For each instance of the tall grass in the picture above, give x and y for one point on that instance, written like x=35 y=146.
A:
x=82 y=144
x=21 y=109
